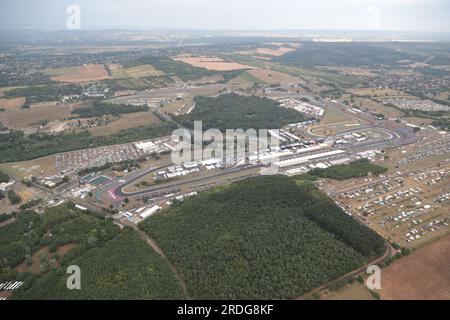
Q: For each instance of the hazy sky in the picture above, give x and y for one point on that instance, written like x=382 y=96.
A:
x=404 y=15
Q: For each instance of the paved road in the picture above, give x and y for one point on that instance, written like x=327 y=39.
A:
x=175 y=186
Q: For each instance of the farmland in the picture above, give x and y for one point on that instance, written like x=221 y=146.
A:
x=126 y=121
x=11 y=104
x=273 y=77
x=212 y=63
x=78 y=74
x=142 y=71
x=33 y=117
x=421 y=275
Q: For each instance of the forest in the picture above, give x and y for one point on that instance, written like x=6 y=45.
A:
x=262 y=238
x=351 y=54
x=49 y=92
x=99 y=109
x=16 y=146
x=232 y=111
x=115 y=264
x=3 y=177
x=356 y=169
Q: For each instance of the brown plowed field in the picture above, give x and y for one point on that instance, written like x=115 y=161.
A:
x=423 y=275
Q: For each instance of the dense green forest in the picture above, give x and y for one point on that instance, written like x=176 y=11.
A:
x=50 y=92
x=314 y=54
x=16 y=146
x=443 y=124
x=356 y=169
x=115 y=264
x=101 y=109
x=66 y=224
x=4 y=177
x=261 y=238
x=13 y=197
x=232 y=111
x=123 y=268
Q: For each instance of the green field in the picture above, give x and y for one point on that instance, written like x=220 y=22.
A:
x=142 y=71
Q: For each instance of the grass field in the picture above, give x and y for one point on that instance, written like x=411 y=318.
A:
x=125 y=121
x=273 y=77
x=85 y=73
x=143 y=71
x=274 y=52
x=25 y=118
x=354 y=291
x=4 y=89
x=43 y=166
x=374 y=106
x=249 y=78
x=422 y=275
x=11 y=104
x=380 y=93
x=212 y=63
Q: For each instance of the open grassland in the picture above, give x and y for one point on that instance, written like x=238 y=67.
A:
x=423 y=275
x=43 y=166
x=126 y=121
x=384 y=93
x=273 y=77
x=274 y=52
x=25 y=118
x=85 y=73
x=4 y=89
x=212 y=63
x=142 y=71
x=354 y=71
x=11 y=104
x=353 y=291
x=373 y=106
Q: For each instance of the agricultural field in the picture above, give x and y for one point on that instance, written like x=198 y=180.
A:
x=273 y=77
x=85 y=73
x=125 y=121
x=353 y=291
x=142 y=71
x=260 y=238
x=212 y=63
x=34 y=116
x=3 y=90
x=12 y=104
x=423 y=275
